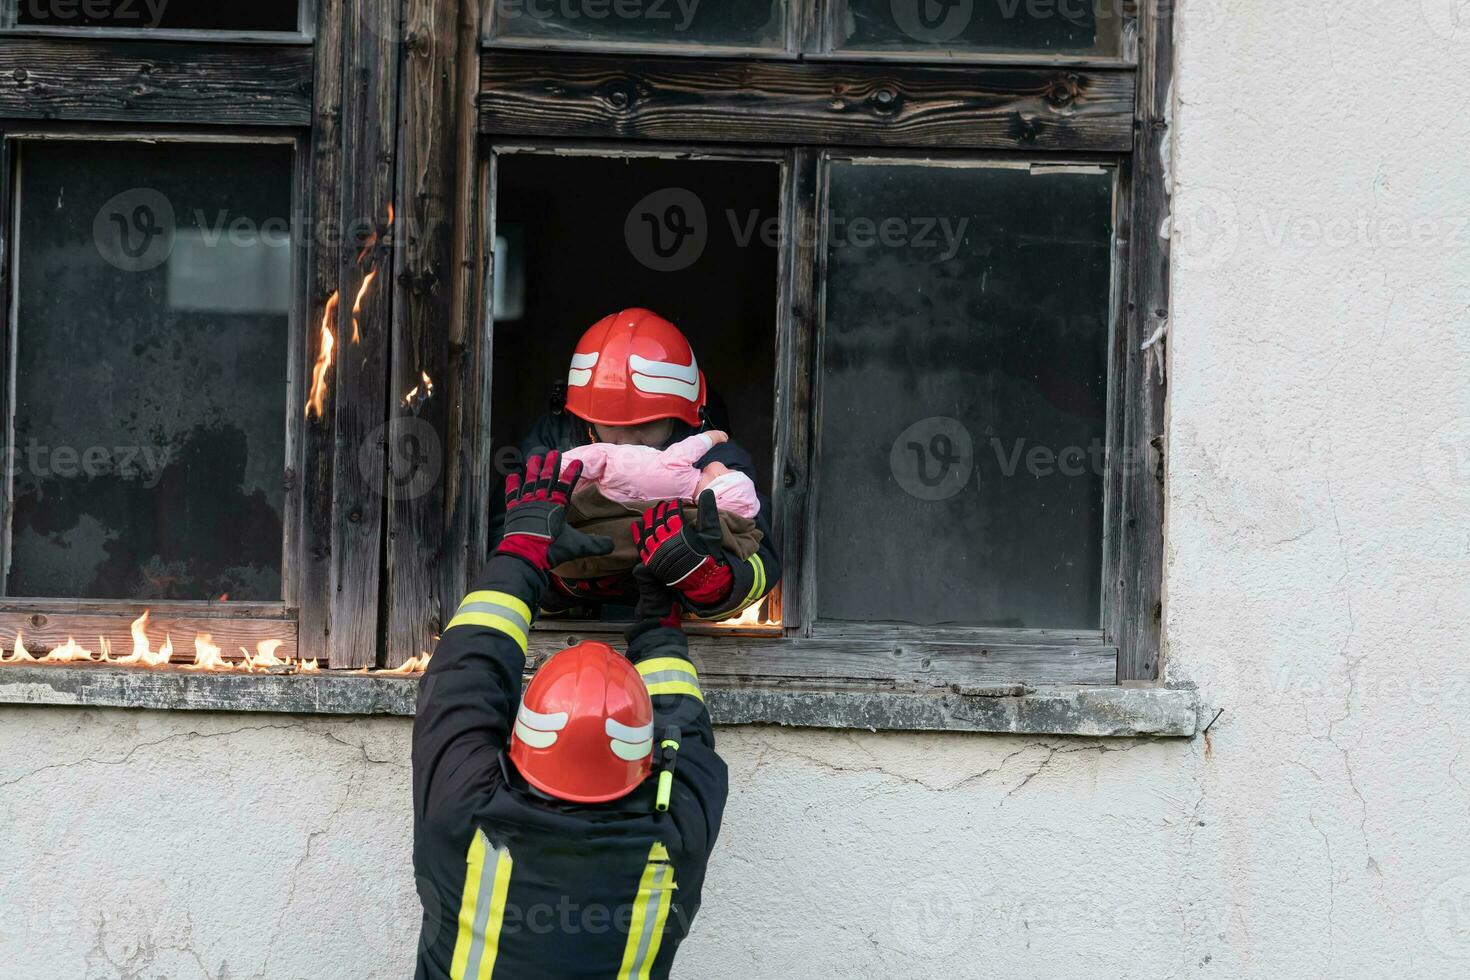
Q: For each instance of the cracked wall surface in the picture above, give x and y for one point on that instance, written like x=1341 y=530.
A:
x=1317 y=590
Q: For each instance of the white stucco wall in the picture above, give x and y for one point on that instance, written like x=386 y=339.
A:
x=1318 y=580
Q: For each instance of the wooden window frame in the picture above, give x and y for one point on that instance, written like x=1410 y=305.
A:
x=1041 y=109
x=399 y=100
x=49 y=622
x=106 y=84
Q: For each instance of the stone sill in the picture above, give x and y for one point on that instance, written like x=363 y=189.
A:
x=1120 y=712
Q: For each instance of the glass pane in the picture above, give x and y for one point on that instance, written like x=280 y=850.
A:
x=135 y=15
x=1063 y=27
x=729 y=23
x=964 y=390
x=152 y=330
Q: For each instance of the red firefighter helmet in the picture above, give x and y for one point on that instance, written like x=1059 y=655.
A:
x=635 y=367
x=584 y=732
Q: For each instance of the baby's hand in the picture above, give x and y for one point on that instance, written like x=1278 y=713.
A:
x=709 y=475
x=690 y=451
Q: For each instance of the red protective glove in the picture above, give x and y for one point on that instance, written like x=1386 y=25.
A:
x=684 y=557
x=536 y=528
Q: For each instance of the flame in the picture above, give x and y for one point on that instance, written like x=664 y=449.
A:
x=20 y=655
x=751 y=616
x=206 y=655
x=367 y=283
x=372 y=238
x=69 y=652
x=420 y=392
x=317 y=402
x=414 y=665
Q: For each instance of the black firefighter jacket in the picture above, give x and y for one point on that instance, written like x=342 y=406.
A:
x=517 y=886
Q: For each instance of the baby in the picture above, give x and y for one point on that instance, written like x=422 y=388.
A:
x=639 y=474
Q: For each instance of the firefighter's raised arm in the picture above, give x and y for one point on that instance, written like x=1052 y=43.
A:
x=468 y=697
x=660 y=650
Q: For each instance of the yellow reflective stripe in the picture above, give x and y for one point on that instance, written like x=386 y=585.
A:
x=467 y=902
x=650 y=915
x=656 y=665
x=757 y=587
x=490 y=621
x=481 y=912
x=500 y=599
x=497 y=915
x=675 y=687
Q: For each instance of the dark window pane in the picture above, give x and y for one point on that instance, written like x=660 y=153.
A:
x=1063 y=27
x=151 y=354
x=963 y=395
x=728 y=23
x=199 y=15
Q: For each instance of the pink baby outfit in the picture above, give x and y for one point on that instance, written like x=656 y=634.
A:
x=639 y=474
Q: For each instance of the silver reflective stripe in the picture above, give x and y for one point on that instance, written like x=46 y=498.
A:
x=483 y=901
x=650 y=920
x=659 y=676
x=496 y=609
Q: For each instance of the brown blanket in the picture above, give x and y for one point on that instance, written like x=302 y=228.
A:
x=594 y=513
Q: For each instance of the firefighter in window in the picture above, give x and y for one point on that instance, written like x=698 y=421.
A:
x=566 y=833
x=634 y=385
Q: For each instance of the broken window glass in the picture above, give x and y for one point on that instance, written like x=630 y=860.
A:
x=729 y=23
x=151 y=332
x=964 y=393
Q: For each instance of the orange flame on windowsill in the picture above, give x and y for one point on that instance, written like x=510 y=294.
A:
x=208 y=657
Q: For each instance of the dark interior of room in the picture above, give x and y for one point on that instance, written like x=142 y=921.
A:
x=575 y=221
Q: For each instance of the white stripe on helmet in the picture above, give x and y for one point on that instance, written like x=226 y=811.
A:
x=546 y=723
x=580 y=374
x=630 y=752
x=625 y=733
x=535 y=739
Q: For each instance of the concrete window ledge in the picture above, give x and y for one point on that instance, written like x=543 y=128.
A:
x=1091 y=711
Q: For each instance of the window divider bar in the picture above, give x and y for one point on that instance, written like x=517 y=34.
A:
x=795 y=326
